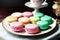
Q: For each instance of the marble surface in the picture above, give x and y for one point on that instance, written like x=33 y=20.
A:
x=54 y=34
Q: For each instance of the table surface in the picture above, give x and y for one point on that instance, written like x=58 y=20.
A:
x=54 y=34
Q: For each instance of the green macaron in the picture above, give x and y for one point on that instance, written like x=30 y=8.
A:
x=43 y=25
x=38 y=14
x=47 y=18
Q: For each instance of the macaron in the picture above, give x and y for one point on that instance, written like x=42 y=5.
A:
x=43 y=25
x=16 y=26
x=34 y=19
x=27 y=14
x=17 y=14
x=31 y=28
x=24 y=20
x=38 y=14
x=48 y=19
x=10 y=19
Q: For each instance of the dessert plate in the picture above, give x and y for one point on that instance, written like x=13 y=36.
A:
x=7 y=27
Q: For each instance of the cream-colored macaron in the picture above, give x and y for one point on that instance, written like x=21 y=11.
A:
x=24 y=20
x=10 y=19
x=17 y=14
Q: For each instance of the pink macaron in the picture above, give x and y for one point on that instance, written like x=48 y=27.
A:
x=16 y=26
x=27 y=14
x=31 y=28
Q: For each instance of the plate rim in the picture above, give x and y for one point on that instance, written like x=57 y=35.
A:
x=22 y=34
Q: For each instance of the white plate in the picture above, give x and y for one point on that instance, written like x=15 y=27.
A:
x=6 y=27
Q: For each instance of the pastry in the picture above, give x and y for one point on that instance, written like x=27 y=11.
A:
x=31 y=28
x=10 y=19
x=24 y=20
x=34 y=19
x=16 y=26
x=38 y=14
x=47 y=18
x=43 y=25
x=27 y=14
x=17 y=14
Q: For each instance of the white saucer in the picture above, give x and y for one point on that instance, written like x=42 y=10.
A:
x=32 y=6
x=7 y=27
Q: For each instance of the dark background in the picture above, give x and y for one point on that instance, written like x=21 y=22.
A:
x=9 y=6
x=18 y=5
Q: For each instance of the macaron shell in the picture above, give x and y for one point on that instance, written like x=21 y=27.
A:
x=11 y=19
x=31 y=28
x=27 y=14
x=16 y=26
x=32 y=31
x=43 y=25
x=38 y=14
x=47 y=18
x=24 y=20
x=17 y=14
x=17 y=29
x=34 y=18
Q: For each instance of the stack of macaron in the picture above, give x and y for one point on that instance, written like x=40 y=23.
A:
x=28 y=21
